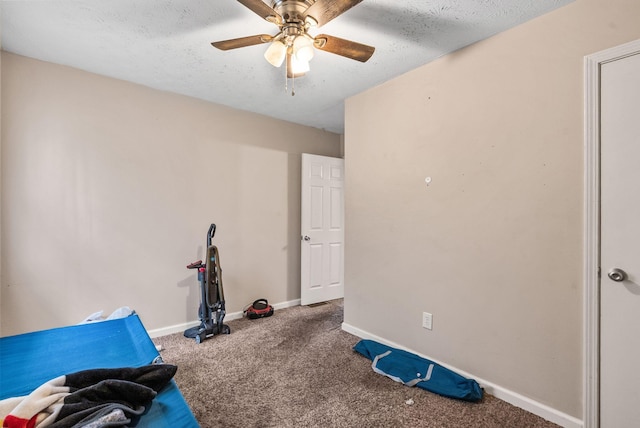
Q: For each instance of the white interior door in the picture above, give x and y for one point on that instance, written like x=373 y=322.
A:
x=322 y=234
x=620 y=243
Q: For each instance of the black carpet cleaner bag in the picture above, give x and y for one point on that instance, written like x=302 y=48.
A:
x=259 y=309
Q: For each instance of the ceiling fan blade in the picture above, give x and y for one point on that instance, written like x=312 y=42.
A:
x=324 y=11
x=242 y=42
x=262 y=9
x=345 y=48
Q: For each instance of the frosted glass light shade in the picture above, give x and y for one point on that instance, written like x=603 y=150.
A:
x=303 y=48
x=298 y=66
x=275 y=54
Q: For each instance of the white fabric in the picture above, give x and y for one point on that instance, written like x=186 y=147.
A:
x=412 y=382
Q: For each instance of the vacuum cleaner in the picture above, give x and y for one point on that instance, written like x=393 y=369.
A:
x=212 y=311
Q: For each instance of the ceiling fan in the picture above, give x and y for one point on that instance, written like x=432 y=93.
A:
x=293 y=42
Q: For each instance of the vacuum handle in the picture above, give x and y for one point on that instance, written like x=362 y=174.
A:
x=210 y=233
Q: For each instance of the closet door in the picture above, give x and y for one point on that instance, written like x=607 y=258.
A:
x=620 y=243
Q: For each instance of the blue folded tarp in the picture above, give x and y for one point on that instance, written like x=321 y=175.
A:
x=412 y=370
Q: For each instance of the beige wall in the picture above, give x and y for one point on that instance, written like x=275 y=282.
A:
x=109 y=188
x=493 y=246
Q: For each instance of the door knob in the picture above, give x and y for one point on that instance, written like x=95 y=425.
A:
x=617 y=275
x=307 y=238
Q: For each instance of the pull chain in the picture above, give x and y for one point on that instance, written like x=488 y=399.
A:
x=286 y=79
x=293 y=85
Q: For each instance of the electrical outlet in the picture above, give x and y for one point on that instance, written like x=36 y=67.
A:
x=427 y=320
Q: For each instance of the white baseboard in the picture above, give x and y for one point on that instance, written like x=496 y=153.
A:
x=164 y=331
x=179 y=328
x=497 y=391
x=290 y=303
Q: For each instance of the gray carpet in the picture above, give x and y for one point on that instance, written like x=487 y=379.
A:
x=297 y=369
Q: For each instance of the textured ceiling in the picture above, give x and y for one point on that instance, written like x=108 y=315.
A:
x=165 y=44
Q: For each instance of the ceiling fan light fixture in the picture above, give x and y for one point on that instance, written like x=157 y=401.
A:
x=276 y=53
x=299 y=66
x=303 y=48
x=293 y=43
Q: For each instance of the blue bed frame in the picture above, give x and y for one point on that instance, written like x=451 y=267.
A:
x=29 y=360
